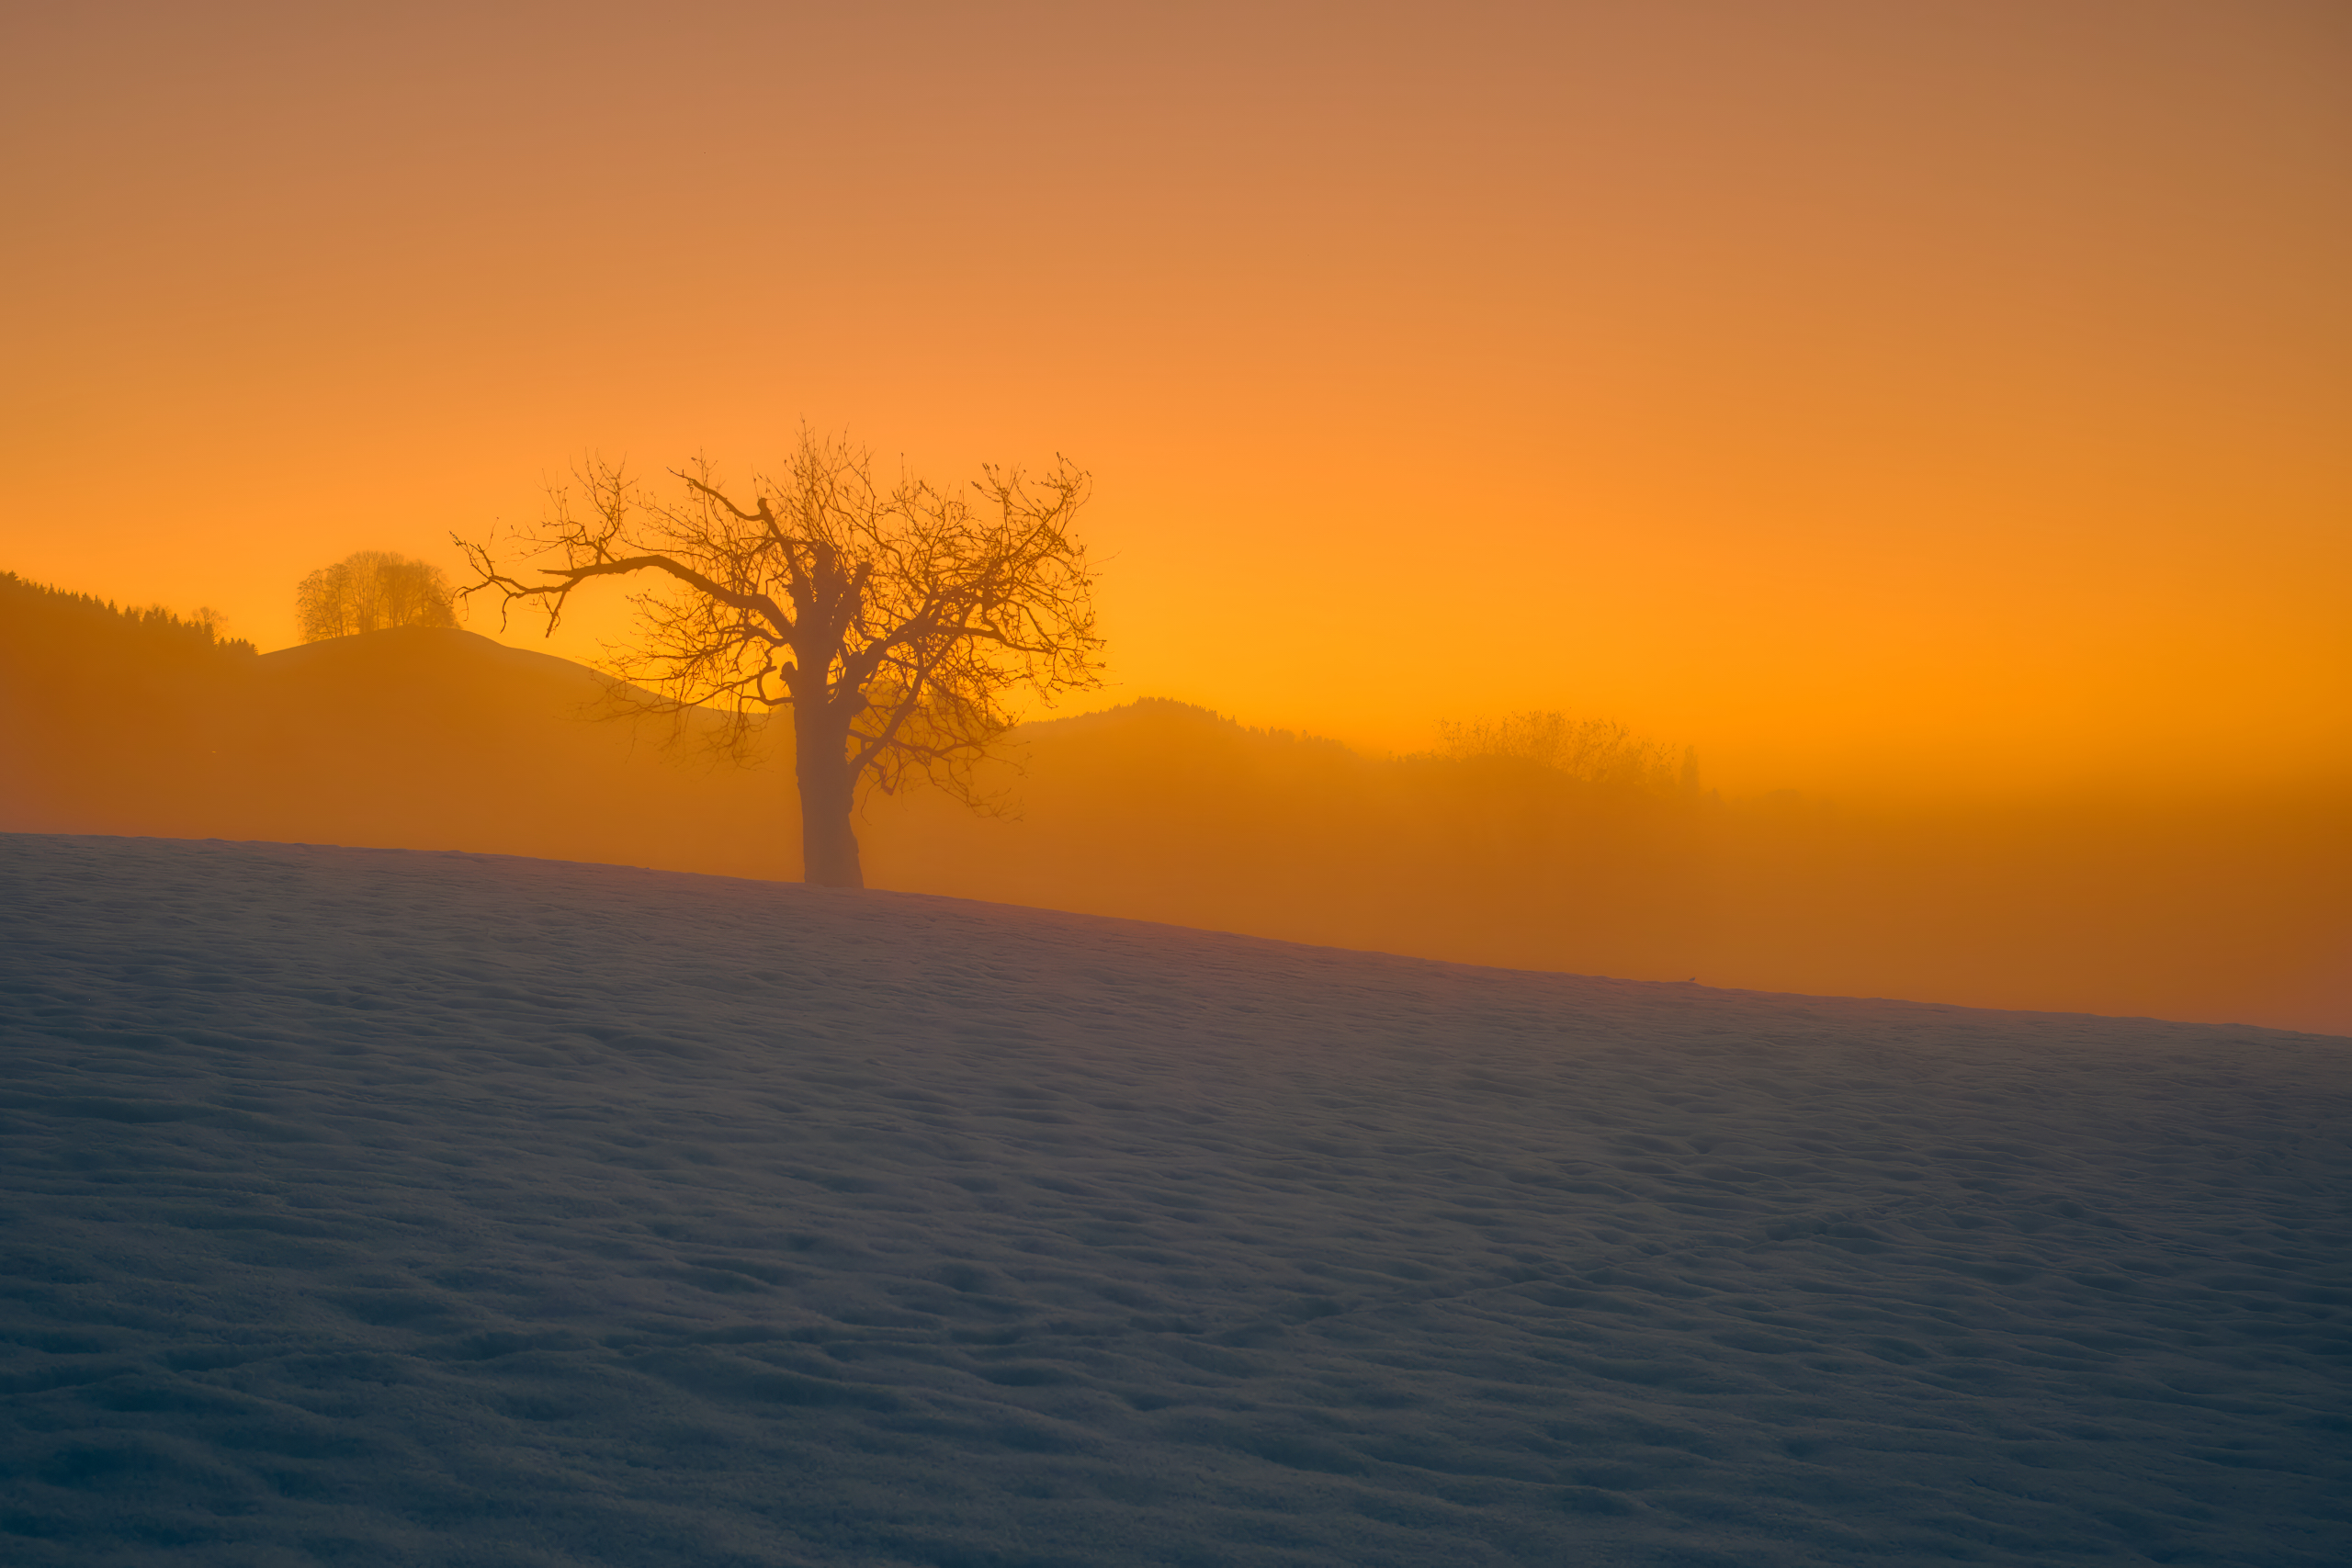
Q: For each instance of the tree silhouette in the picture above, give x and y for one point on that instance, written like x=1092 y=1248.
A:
x=371 y=590
x=893 y=622
x=1590 y=751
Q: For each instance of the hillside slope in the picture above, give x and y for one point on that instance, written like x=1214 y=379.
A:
x=430 y=1209
x=2229 y=909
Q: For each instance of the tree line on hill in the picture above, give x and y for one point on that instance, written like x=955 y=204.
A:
x=34 y=615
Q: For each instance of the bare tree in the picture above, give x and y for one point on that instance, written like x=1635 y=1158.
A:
x=893 y=622
x=371 y=591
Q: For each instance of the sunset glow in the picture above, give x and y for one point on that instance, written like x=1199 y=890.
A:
x=1486 y=786
x=1948 y=395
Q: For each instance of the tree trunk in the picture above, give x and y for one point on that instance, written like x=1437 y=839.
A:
x=820 y=762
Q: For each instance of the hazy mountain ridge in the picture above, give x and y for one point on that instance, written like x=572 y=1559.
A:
x=443 y=739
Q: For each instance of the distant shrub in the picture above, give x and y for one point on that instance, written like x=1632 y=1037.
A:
x=371 y=591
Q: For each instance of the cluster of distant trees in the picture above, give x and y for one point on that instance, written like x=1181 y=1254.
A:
x=1590 y=751
x=373 y=590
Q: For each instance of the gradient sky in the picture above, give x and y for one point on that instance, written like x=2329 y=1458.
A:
x=1919 y=393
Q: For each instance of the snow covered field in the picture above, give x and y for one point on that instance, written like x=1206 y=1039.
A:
x=385 y=1207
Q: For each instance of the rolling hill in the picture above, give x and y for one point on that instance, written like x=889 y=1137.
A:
x=2237 y=908
x=409 y=1208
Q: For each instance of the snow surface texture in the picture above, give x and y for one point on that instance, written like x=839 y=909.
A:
x=387 y=1207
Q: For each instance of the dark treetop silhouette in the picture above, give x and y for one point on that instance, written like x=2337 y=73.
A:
x=892 y=622
x=371 y=590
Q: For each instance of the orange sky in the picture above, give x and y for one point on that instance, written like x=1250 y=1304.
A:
x=1862 y=392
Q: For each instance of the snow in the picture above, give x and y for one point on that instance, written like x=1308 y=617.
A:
x=389 y=1207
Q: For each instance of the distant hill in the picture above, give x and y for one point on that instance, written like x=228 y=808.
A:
x=1169 y=812
x=2227 y=910
x=2222 y=909
x=100 y=708
x=420 y=738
